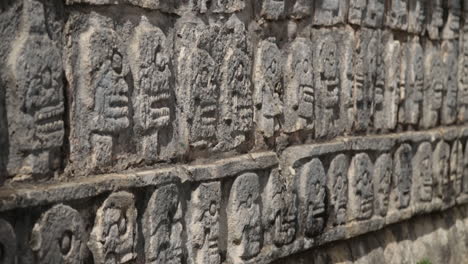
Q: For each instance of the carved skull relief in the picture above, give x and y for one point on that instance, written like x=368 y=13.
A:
x=361 y=187
x=338 y=186
x=244 y=218
x=58 y=236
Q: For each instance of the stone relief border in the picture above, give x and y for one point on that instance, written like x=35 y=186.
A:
x=275 y=206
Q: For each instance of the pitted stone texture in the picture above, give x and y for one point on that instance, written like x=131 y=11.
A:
x=402 y=176
x=280 y=212
x=397 y=14
x=330 y=12
x=232 y=52
x=338 y=188
x=456 y=167
x=423 y=173
x=162 y=226
x=114 y=235
x=450 y=63
x=34 y=97
x=357 y=9
x=361 y=187
x=367 y=49
x=465 y=170
x=374 y=16
x=7 y=243
x=59 y=236
x=312 y=190
x=383 y=172
x=332 y=103
x=244 y=219
x=153 y=95
x=197 y=90
x=434 y=87
x=463 y=74
x=417 y=16
x=301 y=9
x=100 y=111
x=411 y=108
x=434 y=20
x=272 y=9
x=440 y=166
x=387 y=98
x=206 y=202
x=268 y=84
x=300 y=93
x=452 y=24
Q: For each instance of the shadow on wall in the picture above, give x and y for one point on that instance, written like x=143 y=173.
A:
x=436 y=238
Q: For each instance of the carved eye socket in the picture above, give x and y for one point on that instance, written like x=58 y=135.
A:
x=117 y=63
x=273 y=67
x=213 y=208
x=305 y=66
x=47 y=79
x=65 y=242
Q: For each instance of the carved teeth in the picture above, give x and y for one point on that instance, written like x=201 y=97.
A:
x=50 y=126
x=308 y=94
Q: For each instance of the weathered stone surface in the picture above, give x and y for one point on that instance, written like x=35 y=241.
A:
x=34 y=96
x=402 y=176
x=205 y=218
x=272 y=9
x=162 y=226
x=153 y=95
x=434 y=21
x=383 y=170
x=440 y=165
x=397 y=14
x=59 y=236
x=338 y=186
x=268 y=83
x=434 y=87
x=423 y=173
x=114 y=235
x=361 y=187
x=452 y=25
x=244 y=219
x=312 y=189
x=7 y=243
x=330 y=12
x=300 y=92
x=280 y=212
x=374 y=15
x=449 y=105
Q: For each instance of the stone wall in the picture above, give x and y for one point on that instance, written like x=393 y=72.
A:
x=225 y=131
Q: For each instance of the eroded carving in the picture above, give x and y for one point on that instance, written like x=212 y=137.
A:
x=366 y=56
x=440 y=165
x=197 y=91
x=228 y=6
x=456 y=167
x=417 y=16
x=413 y=103
x=34 y=99
x=434 y=88
x=361 y=187
x=236 y=103
x=422 y=165
x=300 y=94
x=449 y=106
x=114 y=235
x=58 y=236
x=435 y=20
x=463 y=75
x=313 y=195
x=329 y=12
x=397 y=14
x=465 y=170
x=268 y=81
x=280 y=211
x=100 y=113
x=162 y=226
x=301 y=9
x=452 y=25
x=153 y=100
x=387 y=101
x=205 y=223
x=244 y=218
x=402 y=175
x=7 y=243
x=272 y=9
x=327 y=85
x=338 y=187
x=356 y=11
x=383 y=172
x=374 y=13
